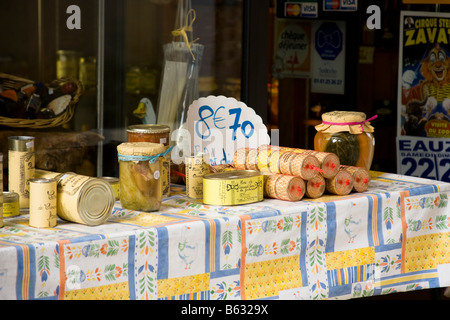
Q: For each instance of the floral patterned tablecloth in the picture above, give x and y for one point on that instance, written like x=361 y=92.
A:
x=394 y=237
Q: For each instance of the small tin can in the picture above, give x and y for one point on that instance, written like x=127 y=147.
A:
x=361 y=177
x=197 y=167
x=252 y=160
x=274 y=159
x=1 y=193
x=341 y=184
x=315 y=187
x=328 y=162
x=114 y=183
x=43 y=205
x=155 y=133
x=284 y=187
x=1 y=171
x=10 y=204
x=239 y=158
x=21 y=162
x=233 y=187
x=262 y=159
x=299 y=164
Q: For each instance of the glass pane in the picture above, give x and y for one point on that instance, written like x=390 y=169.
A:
x=148 y=27
x=45 y=40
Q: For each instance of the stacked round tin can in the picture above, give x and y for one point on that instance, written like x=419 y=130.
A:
x=284 y=167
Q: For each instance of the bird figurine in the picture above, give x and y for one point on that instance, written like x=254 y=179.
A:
x=351 y=226
x=187 y=251
x=145 y=111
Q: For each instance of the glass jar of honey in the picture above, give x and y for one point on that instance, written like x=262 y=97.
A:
x=139 y=175
x=348 y=135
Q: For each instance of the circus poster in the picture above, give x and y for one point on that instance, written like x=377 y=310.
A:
x=424 y=95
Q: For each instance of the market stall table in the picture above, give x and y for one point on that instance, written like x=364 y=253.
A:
x=394 y=237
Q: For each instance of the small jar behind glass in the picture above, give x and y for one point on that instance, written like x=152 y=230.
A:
x=348 y=135
x=139 y=174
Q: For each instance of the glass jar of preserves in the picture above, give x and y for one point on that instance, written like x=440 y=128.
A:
x=156 y=133
x=348 y=135
x=139 y=174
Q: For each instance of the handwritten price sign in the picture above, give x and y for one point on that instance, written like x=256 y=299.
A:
x=219 y=126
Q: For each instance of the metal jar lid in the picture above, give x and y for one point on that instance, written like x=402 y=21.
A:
x=11 y=196
x=148 y=128
x=233 y=174
x=42 y=180
x=21 y=143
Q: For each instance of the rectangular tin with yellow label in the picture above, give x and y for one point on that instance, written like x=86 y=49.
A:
x=233 y=187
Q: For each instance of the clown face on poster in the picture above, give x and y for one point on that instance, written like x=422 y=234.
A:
x=423 y=137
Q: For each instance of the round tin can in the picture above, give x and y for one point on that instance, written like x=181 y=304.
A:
x=315 y=187
x=10 y=204
x=81 y=199
x=114 y=183
x=274 y=159
x=84 y=199
x=361 y=177
x=341 y=184
x=328 y=162
x=284 y=187
x=1 y=186
x=233 y=187
x=43 y=205
x=197 y=167
x=252 y=160
x=239 y=158
x=299 y=164
x=262 y=159
x=156 y=133
x=21 y=162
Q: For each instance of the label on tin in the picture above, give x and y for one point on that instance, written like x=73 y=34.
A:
x=233 y=191
x=165 y=176
x=196 y=168
x=21 y=170
x=1 y=211
x=1 y=172
x=43 y=203
x=11 y=209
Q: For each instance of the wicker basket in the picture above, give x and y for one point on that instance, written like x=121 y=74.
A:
x=12 y=82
